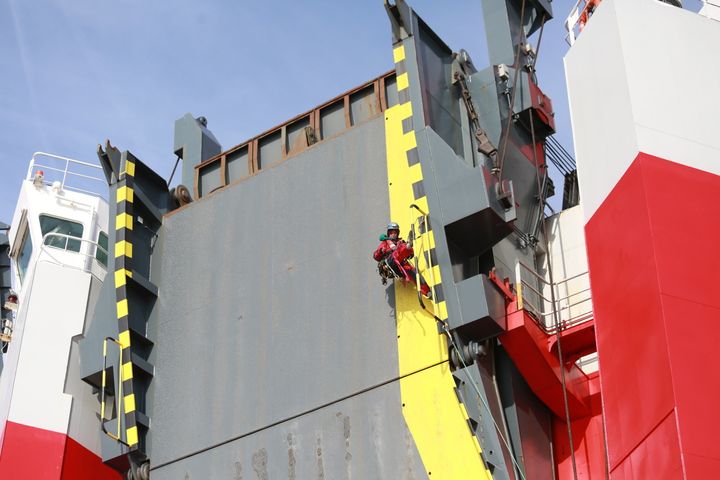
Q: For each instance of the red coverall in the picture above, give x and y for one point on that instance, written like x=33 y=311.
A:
x=399 y=252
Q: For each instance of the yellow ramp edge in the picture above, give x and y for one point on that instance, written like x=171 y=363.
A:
x=434 y=416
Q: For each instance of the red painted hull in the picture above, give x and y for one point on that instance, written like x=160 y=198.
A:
x=30 y=453
x=652 y=250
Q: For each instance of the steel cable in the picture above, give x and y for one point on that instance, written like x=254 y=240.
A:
x=552 y=299
x=503 y=148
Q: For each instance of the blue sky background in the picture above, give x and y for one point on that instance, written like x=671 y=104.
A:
x=75 y=72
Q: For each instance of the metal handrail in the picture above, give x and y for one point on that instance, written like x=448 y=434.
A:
x=557 y=300
x=67 y=173
x=118 y=393
x=571 y=22
x=567 y=307
x=542 y=279
x=90 y=258
x=559 y=306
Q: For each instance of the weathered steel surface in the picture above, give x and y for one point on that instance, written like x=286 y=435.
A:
x=363 y=437
x=270 y=307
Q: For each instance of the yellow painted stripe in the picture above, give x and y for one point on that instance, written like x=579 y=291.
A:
x=127 y=371
x=124 y=339
x=399 y=54
x=415 y=175
x=408 y=141
x=402 y=81
x=131 y=436
x=129 y=168
x=129 y=401
x=120 y=278
x=404 y=110
x=442 y=310
x=125 y=194
x=122 y=308
x=120 y=275
x=123 y=247
x=432 y=412
x=124 y=220
x=434 y=275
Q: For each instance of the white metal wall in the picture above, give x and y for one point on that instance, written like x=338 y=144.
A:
x=644 y=72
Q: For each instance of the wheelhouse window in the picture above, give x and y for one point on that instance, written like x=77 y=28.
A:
x=61 y=233
x=101 y=252
x=23 y=259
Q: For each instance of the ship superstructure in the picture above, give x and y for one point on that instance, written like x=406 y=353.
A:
x=242 y=331
x=302 y=365
x=57 y=246
x=648 y=162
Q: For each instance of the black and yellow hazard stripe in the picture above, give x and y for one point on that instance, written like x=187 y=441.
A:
x=437 y=420
x=123 y=258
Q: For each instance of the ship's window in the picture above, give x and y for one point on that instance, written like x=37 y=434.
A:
x=59 y=231
x=101 y=255
x=23 y=259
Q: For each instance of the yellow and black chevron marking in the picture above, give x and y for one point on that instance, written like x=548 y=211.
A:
x=123 y=257
x=437 y=420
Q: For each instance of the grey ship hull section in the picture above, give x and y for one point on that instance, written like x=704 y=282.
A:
x=285 y=315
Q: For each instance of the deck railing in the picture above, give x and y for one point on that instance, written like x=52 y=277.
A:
x=56 y=248
x=71 y=174
x=570 y=301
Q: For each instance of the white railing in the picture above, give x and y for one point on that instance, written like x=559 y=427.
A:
x=577 y=18
x=72 y=174
x=570 y=301
x=84 y=259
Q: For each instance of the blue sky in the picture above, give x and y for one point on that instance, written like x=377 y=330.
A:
x=73 y=73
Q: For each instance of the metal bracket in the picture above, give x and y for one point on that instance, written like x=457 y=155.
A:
x=484 y=145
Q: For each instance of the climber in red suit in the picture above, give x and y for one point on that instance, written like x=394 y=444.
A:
x=396 y=252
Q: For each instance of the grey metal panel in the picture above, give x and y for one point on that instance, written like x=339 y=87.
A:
x=103 y=322
x=483 y=419
x=440 y=96
x=484 y=91
x=332 y=119
x=237 y=165
x=210 y=179
x=391 y=92
x=454 y=191
x=493 y=426
x=503 y=25
x=364 y=437
x=461 y=187
x=480 y=299
x=294 y=132
x=285 y=311
x=529 y=420
x=84 y=426
x=194 y=143
x=270 y=149
x=363 y=105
